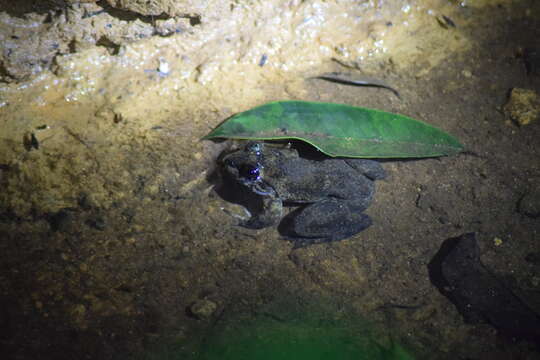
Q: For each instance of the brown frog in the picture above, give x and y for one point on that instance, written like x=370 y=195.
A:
x=332 y=192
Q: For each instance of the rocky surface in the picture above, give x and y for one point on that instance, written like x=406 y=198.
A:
x=170 y=8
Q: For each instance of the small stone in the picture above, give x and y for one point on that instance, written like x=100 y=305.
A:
x=164 y=67
x=529 y=204
x=466 y=73
x=169 y=8
x=168 y=27
x=203 y=309
x=523 y=106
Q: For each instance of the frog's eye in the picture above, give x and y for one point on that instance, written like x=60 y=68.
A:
x=249 y=172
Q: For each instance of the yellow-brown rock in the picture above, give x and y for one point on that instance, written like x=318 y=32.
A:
x=523 y=106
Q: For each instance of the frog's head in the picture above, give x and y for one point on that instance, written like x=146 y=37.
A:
x=246 y=167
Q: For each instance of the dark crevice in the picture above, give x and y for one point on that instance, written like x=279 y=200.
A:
x=128 y=15
x=72 y=46
x=21 y=8
x=111 y=46
x=194 y=19
x=4 y=72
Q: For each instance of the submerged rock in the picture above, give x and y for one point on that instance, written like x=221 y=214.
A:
x=479 y=296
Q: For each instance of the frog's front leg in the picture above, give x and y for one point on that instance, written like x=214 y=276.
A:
x=270 y=214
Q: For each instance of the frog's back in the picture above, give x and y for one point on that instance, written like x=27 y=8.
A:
x=370 y=168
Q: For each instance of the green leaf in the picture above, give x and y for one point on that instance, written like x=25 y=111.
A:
x=340 y=130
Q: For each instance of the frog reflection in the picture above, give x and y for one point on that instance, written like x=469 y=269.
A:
x=333 y=192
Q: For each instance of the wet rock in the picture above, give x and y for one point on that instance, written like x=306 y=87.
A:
x=523 y=106
x=202 y=309
x=143 y=7
x=33 y=42
x=24 y=51
x=529 y=204
x=479 y=296
x=165 y=7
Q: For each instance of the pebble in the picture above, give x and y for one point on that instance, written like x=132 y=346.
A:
x=163 y=67
x=523 y=106
x=203 y=308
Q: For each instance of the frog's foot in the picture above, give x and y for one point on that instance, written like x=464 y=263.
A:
x=326 y=221
x=237 y=211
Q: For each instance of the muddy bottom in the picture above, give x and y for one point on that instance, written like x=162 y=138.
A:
x=114 y=243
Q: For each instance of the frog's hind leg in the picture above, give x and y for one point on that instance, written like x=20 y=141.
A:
x=325 y=221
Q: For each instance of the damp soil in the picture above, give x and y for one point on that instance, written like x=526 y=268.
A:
x=113 y=239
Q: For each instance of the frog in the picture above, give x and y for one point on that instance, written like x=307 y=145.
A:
x=331 y=193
